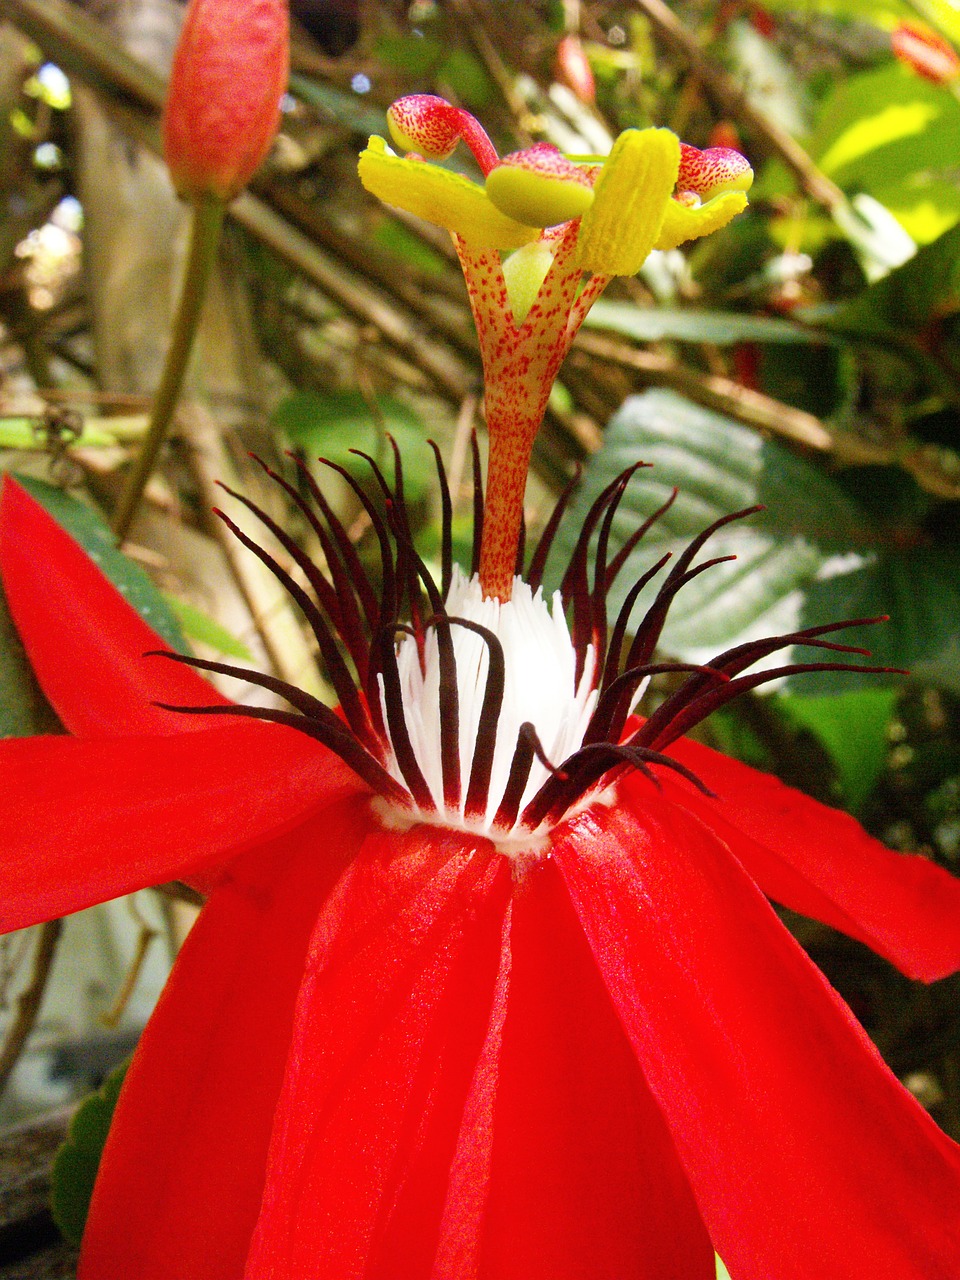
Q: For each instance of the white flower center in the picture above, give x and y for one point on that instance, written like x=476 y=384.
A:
x=540 y=687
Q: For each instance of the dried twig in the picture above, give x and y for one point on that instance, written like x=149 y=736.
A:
x=30 y=1000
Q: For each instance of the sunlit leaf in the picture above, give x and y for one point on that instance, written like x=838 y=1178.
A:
x=894 y=135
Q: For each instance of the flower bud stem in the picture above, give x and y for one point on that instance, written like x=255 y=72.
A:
x=207 y=221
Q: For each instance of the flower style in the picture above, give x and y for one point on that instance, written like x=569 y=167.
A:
x=486 y=984
x=572 y=228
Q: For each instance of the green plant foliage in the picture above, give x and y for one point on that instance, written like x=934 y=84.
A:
x=813 y=556
x=656 y=324
x=335 y=424
x=394 y=237
x=896 y=136
x=923 y=291
x=20 y=433
x=76 y=1163
x=853 y=728
x=23 y=708
x=423 y=55
x=96 y=538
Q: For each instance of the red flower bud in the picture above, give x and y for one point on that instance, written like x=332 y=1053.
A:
x=725 y=134
x=927 y=53
x=229 y=73
x=572 y=69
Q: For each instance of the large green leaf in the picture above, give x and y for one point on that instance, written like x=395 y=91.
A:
x=812 y=556
x=96 y=538
x=654 y=324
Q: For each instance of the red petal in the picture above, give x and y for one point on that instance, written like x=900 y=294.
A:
x=806 y=1157
x=85 y=642
x=86 y=821
x=820 y=862
x=182 y=1175
x=391 y=1017
x=565 y=1168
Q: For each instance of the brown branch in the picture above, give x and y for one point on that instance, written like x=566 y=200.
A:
x=766 y=414
x=30 y=1000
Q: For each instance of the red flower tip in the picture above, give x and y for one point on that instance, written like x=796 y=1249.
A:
x=431 y=127
x=710 y=172
x=229 y=73
x=927 y=53
x=425 y=123
x=573 y=69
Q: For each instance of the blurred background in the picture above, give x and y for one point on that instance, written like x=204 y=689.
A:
x=806 y=357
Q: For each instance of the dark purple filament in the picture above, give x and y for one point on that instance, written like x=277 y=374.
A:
x=356 y=617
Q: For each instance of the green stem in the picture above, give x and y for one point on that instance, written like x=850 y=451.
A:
x=208 y=212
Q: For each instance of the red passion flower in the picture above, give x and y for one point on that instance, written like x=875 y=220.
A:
x=487 y=983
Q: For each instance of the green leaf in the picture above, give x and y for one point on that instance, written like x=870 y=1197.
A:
x=199 y=626
x=20 y=433
x=76 y=1163
x=397 y=239
x=23 y=708
x=96 y=538
x=718 y=467
x=853 y=729
x=941 y=14
x=655 y=324
x=924 y=289
x=333 y=424
x=920 y=591
x=813 y=555
x=894 y=135
x=415 y=55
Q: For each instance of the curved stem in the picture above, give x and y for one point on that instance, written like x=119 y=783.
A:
x=207 y=220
